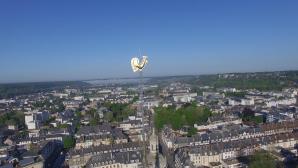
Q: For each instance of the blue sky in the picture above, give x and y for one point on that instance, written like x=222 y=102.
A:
x=73 y=40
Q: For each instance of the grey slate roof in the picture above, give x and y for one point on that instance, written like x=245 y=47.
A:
x=116 y=157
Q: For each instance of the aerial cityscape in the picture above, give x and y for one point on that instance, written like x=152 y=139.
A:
x=149 y=84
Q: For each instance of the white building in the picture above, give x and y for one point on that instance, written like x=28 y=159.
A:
x=230 y=90
x=243 y=102
x=275 y=103
x=184 y=97
x=7 y=101
x=35 y=118
x=234 y=102
x=151 y=103
x=79 y=98
x=12 y=127
x=247 y=102
x=60 y=95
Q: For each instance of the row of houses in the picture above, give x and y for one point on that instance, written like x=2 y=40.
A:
x=219 y=154
x=131 y=159
x=173 y=140
x=79 y=157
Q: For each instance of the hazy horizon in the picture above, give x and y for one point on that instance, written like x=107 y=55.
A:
x=136 y=76
x=68 y=41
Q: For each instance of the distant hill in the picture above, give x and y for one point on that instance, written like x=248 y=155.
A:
x=15 y=89
x=263 y=81
x=252 y=80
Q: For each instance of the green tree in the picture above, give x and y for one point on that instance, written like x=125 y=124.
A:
x=10 y=122
x=236 y=94
x=12 y=118
x=119 y=111
x=78 y=114
x=68 y=142
x=63 y=126
x=187 y=115
x=94 y=121
x=108 y=116
x=192 y=131
x=248 y=115
x=262 y=159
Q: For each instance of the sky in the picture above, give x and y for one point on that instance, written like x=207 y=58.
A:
x=77 y=40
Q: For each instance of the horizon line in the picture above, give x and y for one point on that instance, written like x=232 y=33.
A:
x=157 y=76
